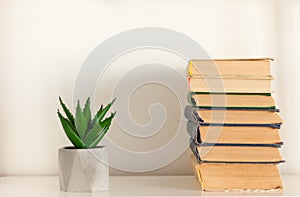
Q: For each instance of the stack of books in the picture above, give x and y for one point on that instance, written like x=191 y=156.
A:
x=234 y=125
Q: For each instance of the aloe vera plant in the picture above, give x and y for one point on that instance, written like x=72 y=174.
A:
x=83 y=130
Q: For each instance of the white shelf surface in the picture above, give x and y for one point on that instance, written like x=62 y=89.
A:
x=41 y=186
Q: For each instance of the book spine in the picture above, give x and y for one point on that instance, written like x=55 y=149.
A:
x=194 y=149
x=191 y=115
x=194 y=132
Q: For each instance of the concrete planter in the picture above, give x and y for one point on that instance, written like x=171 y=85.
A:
x=83 y=170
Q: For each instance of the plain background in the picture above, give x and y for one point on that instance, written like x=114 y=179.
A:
x=43 y=44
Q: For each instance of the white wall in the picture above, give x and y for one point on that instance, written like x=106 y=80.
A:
x=287 y=72
x=43 y=43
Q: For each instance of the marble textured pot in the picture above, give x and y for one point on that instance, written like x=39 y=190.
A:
x=83 y=170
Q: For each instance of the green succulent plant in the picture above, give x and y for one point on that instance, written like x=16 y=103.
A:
x=85 y=131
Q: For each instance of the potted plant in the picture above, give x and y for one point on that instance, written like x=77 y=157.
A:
x=84 y=166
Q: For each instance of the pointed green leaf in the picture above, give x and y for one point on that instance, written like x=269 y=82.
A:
x=81 y=122
x=97 y=129
x=67 y=112
x=102 y=112
x=99 y=138
x=92 y=134
x=87 y=110
x=71 y=134
x=108 y=120
x=97 y=114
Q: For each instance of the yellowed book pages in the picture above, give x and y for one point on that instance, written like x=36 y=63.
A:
x=241 y=177
x=230 y=85
x=239 y=135
x=239 y=154
x=239 y=116
x=232 y=67
x=223 y=100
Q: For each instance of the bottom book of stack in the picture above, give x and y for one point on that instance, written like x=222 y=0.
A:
x=224 y=168
x=232 y=176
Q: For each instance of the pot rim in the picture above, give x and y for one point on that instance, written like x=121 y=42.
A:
x=72 y=148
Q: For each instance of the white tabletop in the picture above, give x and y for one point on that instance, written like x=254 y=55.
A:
x=131 y=186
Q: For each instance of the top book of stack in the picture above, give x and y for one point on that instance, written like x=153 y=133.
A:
x=259 y=67
x=230 y=75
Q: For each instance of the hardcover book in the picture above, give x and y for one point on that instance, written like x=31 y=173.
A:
x=257 y=67
x=233 y=117
x=236 y=153
x=230 y=84
x=237 y=176
x=231 y=100
x=233 y=134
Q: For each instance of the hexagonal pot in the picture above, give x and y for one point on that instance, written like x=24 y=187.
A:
x=83 y=170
